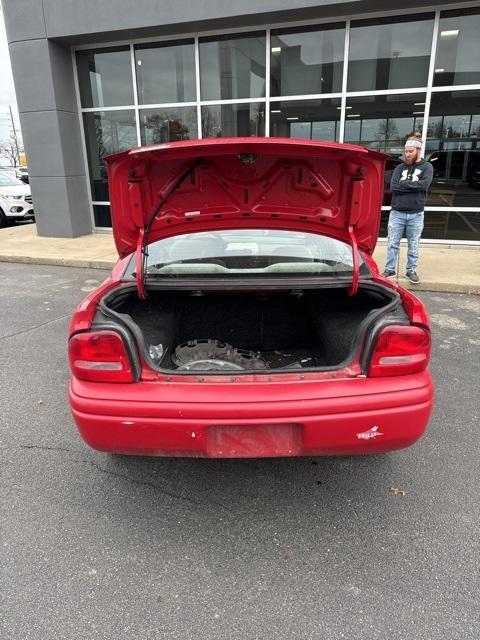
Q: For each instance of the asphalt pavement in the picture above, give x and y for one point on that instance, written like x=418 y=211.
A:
x=98 y=546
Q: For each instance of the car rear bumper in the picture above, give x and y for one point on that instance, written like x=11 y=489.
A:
x=341 y=417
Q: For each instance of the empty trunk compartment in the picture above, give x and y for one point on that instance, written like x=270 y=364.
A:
x=205 y=330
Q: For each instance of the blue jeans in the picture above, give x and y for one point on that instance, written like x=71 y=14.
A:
x=412 y=224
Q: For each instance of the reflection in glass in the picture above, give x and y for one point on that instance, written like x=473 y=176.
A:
x=307 y=119
x=232 y=67
x=165 y=73
x=224 y=120
x=444 y=225
x=307 y=61
x=384 y=122
x=458 y=51
x=453 y=148
x=106 y=132
x=390 y=53
x=105 y=77
x=168 y=124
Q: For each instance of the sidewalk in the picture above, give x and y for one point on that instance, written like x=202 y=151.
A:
x=442 y=267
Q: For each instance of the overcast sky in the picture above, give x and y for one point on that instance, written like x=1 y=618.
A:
x=7 y=91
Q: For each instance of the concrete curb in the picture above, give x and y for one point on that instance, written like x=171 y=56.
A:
x=444 y=287
x=61 y=262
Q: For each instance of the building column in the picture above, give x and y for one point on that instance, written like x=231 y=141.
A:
x=47 y=105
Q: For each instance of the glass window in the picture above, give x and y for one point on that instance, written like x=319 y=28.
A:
x=105 y=77
x=307 y=61
x=168 y=124
x=165 y=73
x=106 y=132
x=390 y=53
x=458 y=51
x=250 y=252
x=224 y=120
x=445 y=225
x=102 y=215
x=453 y=148
x=232 y=67
x=309 y=119
x=384 y=122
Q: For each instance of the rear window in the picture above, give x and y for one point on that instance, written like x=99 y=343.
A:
x=250 y=252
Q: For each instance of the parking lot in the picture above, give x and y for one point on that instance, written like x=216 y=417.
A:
x=99 y=546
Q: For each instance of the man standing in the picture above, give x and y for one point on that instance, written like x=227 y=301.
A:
x=409 y=185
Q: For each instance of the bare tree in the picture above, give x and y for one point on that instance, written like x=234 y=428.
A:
x=13 y=148
x=10 y=151
x=387 y=130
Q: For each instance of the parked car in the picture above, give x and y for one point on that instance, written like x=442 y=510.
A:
x=246 y=316
x=8 y=169
x=22 y=174
x=456 y=166
x=15 y=200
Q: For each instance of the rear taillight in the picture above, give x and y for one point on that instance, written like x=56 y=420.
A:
x=400 y=350
x=99 y=356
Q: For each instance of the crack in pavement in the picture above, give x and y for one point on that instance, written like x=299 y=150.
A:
x=43 y=448
x=156 y=486
x=145 y=483
x=43 y=324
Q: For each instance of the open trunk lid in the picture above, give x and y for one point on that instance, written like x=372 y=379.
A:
x=319 y=187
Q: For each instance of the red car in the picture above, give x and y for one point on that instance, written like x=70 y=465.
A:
x=246 y=317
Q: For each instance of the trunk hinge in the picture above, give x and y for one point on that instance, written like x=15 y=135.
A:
x=141 y=263
x=353 y=241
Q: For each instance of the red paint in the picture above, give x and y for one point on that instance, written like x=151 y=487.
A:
x=303 y=185
x=319 y=187
x=146 y=418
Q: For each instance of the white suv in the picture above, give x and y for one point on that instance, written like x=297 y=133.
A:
x=15 y=200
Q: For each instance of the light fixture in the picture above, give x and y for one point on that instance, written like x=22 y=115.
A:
x=439 y=70
x=418 y=104
x=139 y=62
x=449 y=34
x=295 y=118
x=418 y=113
x=276 y=49
x=275 y=111
x=345 y=107
x=353 y=115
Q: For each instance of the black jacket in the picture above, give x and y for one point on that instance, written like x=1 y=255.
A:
x=409 y=186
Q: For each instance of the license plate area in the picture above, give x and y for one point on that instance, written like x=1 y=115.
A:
x=254 y=441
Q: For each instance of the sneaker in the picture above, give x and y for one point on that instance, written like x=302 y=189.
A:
x=388 y=273
x=413 y=277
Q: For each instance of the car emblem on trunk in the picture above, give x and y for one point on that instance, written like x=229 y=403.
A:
x=370 y=434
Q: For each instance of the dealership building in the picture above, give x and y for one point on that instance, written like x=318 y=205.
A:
x=94 y=77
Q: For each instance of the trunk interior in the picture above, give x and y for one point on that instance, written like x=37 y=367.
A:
x=254 y=330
